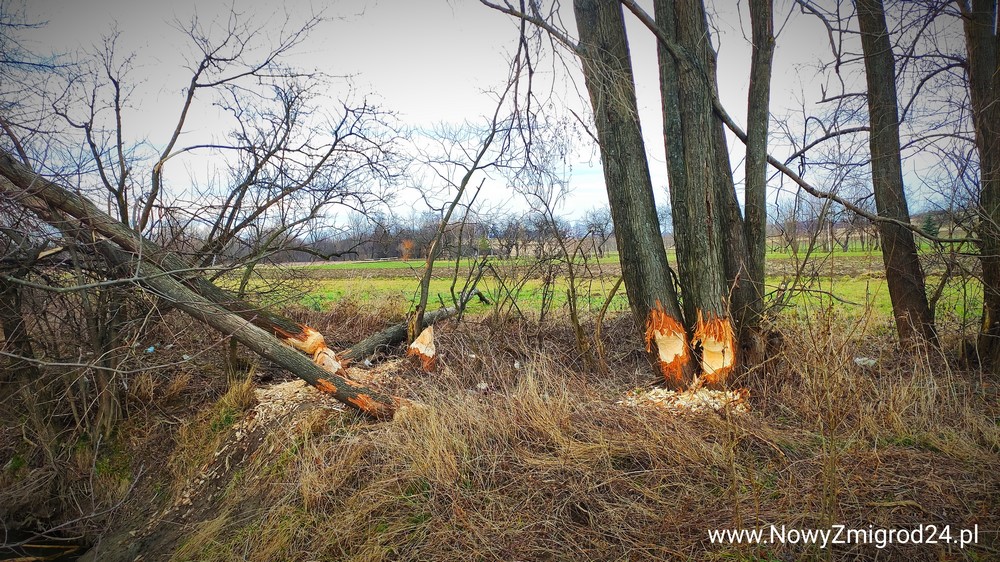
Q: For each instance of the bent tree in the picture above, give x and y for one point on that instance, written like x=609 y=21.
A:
x=171 y=277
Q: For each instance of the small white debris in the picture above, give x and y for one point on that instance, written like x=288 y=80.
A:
x=691 y=401
x=865 y=361
x=517 y=364
x=483 y=387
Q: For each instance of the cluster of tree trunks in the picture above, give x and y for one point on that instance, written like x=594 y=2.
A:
x=169 y=276
x=721 y=286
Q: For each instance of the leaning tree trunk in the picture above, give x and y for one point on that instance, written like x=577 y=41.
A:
x=180 y=284
x=607 y=70
x=983 y=45
x=904 y=276
x=689 y=131
x=328 y=376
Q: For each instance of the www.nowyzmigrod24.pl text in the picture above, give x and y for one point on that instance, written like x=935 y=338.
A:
x=841 y=534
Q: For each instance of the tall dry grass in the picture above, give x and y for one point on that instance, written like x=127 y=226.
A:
x=513 y=452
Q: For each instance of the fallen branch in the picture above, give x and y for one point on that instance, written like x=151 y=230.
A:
x=320 y=373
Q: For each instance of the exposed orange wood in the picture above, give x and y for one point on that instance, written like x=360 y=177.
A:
x=423 y=349
x=668 y=337
x=718 y=347
x=326 y=386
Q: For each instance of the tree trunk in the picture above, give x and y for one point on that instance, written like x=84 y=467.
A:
x=904 y=276
x=257 y=340
x=705 y=213
x=755 y=182
x=983 y=45
x=392 y=336
x=689 y=137
x=197 y=296
x=607 y=71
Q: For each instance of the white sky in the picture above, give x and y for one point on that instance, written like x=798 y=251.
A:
x=427 y=60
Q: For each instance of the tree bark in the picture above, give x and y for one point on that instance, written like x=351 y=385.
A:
x=755 y=182
x=257 y=340
x=979 y=18
x=708 y=227
x=904 y=276
x=25 y=182
x=607 y=70
x=392 y=336
x=688 y=133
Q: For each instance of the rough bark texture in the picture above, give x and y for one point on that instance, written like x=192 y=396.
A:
x=755 y=183
x=689 y=135
x=15 y=335
x=161 y=271
x=980 y=18
x=904 y=275
x=88 y=214
x=607 y=70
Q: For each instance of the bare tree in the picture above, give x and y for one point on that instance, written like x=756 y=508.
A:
x=456 y=159
x=979 y=18
x=905 y=277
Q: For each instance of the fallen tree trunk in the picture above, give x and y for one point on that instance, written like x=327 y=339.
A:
x=164 y=272
x=329 y=378
x=392 y=336
x=26 y=182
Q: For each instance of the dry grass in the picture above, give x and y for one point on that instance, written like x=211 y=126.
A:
x=199 y=438
x=540 y=463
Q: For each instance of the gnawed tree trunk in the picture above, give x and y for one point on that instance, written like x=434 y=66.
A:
x=904 y=275
x=980 y=18
x=607 y=69
x=325 y=372
x=700 y=198
x=422 y=349
x=393 y=335
x=196 y=296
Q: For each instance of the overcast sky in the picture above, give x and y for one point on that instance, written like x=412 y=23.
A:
x=429 y=60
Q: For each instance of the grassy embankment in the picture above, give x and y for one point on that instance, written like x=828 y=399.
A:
x=516 y=450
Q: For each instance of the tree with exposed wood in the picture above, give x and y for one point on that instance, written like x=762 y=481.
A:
x=179 y=283
x=708 y=228
x=604 y=52
x=904 y=275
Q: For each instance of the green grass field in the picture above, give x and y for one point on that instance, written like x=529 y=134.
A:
x=852 y=283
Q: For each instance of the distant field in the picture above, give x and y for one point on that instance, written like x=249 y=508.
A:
x=851 y=282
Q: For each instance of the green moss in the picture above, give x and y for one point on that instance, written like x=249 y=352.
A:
x=16 y=463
